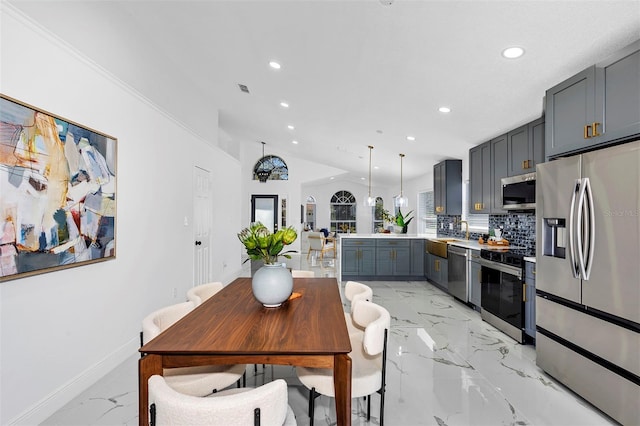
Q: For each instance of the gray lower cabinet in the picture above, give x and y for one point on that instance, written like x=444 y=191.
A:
x=358 y=257
x=393 y=257
x=438 y=270
x=382 y=258
x=530 y=299
x=474 y=279
x=596 y=107
x=418 y=249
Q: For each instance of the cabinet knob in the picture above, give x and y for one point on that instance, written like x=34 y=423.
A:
x=198 y=243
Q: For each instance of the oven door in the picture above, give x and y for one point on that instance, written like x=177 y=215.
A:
x=502 y=298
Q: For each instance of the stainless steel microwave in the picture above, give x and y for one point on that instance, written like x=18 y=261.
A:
x=519 y=192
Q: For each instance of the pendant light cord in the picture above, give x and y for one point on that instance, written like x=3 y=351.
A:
x=401 y=157
x=370 y=149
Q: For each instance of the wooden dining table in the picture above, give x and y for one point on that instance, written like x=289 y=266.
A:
x=232 y=327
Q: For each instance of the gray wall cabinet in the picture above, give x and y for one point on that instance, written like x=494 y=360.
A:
x=480 y=178
x=596 y=107
x=447 y=187
x=525 y=148
x=499 y=169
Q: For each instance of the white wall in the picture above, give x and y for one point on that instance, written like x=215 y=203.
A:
x=63 y=330
x=300 y=171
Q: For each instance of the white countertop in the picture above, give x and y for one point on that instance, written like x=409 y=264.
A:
x=390 y=235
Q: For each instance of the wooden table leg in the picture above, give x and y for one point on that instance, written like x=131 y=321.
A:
x=147 y=367
x=342 y=385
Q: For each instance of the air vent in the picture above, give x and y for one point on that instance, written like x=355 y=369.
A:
x=244 y=88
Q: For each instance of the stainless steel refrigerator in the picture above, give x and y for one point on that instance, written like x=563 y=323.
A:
x=588 y=276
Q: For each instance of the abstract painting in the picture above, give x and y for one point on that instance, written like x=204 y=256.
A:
x=57 y=192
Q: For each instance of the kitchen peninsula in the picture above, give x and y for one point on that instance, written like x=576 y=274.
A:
x=391 y=257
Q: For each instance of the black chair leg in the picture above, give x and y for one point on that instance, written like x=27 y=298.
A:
x=312 y=403
x=369 y=408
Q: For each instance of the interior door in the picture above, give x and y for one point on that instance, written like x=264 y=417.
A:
x=202 y=222
x=264 y=209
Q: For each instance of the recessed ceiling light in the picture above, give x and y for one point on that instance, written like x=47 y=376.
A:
x=376 y=167
x=275 y=65
x=290 y=127
x=362 y=178
x=513 y=52
x=332 y=178
x=294 y=142
x=284 y=105
x=444 y=109
x=411 y=138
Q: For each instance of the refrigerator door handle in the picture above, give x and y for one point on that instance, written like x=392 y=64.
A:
x=572 y=244
x=592 y=228
x=580 y=208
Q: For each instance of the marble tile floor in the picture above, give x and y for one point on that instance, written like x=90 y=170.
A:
x=445 y=367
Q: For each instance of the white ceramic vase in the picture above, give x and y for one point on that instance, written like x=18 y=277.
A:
x=272 y=285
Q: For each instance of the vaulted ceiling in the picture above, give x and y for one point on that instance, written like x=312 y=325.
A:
x=354 y=73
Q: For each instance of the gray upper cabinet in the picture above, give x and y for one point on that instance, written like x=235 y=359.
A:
x=480 y=178
x=447 y=187
x=595 y=107
x=525 y=148
x=499 y=169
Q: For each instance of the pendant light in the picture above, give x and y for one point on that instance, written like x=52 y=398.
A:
x=401 y=200
x=262 y=171
x=370 y=201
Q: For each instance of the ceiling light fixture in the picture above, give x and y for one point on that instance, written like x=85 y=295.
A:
x=370 y=201
x=401 y=200
x=294 y=142
x=263 y=172
x=444 y=109
x=513 y=52
x=290 y=127
x=411 y=138
x=284 y=105
x=275 y=65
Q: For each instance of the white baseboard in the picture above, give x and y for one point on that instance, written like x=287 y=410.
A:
x=57 y=399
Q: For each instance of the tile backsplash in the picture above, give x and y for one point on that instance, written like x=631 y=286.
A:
x=519 y=228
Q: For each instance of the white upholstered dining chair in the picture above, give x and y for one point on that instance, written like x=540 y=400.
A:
x=202 y=292
x=355 y=292
x=368 y=359
x=196 y=381
x=265 y=405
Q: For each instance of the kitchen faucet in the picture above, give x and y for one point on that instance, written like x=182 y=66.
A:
x=466 y=223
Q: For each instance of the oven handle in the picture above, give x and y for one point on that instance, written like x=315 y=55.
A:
x=511 y=270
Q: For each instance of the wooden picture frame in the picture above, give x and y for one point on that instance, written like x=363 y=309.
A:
x=57 y=192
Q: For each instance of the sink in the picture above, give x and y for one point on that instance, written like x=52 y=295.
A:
x=438 y=247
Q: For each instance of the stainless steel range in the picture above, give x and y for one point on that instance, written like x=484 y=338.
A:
x=502 y=297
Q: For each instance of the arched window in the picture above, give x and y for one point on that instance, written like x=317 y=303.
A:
x=343 y=212
x=270 y=167
x=378 y=220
